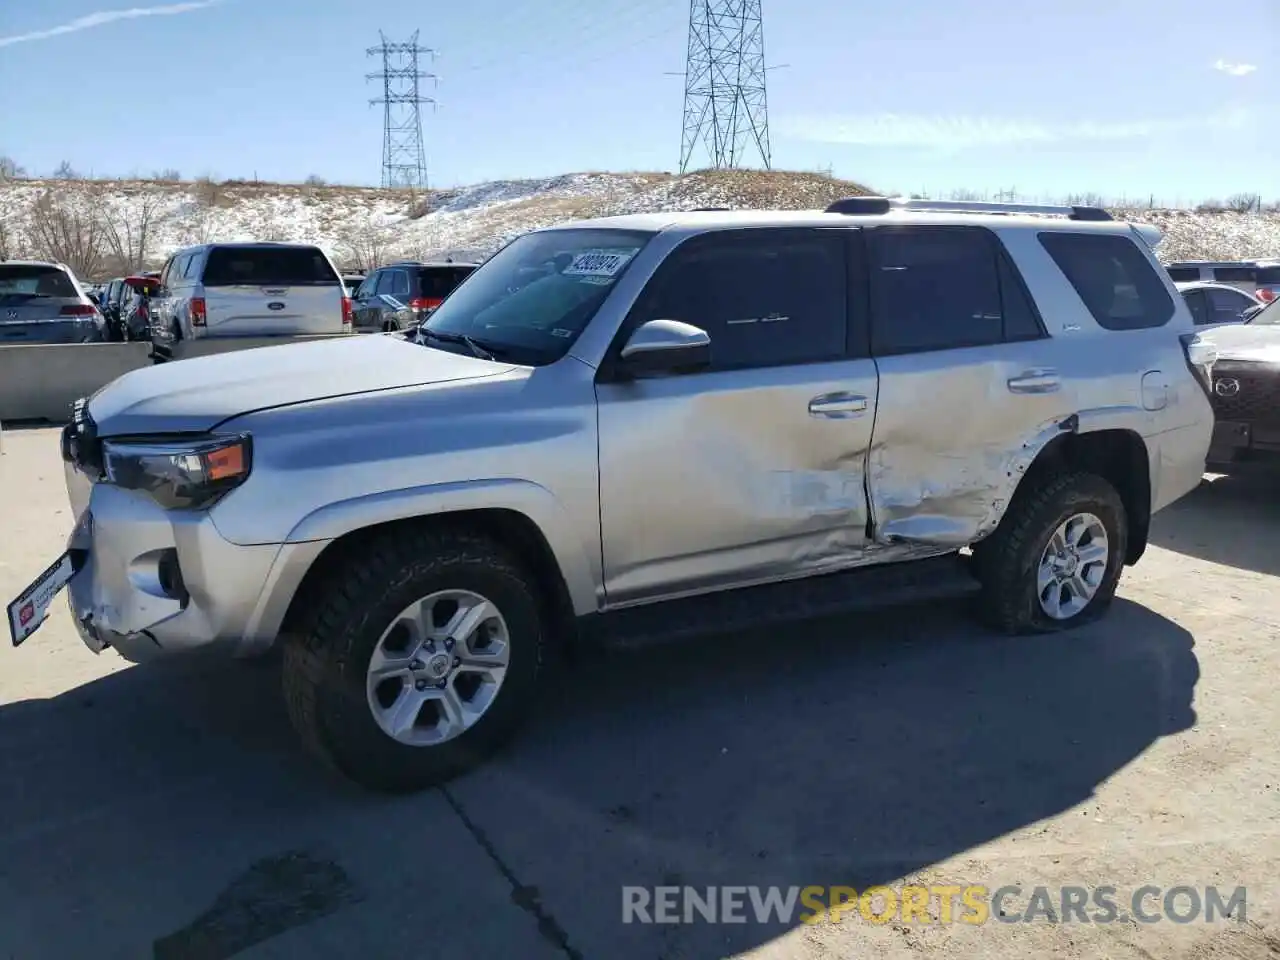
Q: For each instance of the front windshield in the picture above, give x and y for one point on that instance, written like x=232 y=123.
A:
x=1269 y=316
x=531 y=301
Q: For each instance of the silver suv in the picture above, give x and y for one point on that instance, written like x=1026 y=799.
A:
x=635 y=428
x=249 y=290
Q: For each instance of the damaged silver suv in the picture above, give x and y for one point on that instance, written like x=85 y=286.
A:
x=635 y=428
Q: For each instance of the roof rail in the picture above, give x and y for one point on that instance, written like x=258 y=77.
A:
x=1071 y=212
x=875 y=206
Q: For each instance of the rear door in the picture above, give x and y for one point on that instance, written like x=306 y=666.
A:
x=752 y=470
x=967 y=377
x=271 y=290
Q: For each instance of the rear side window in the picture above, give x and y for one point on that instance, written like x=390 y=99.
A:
x=1184 y=274
x=1234 y=274
x=268 y=267
x=943 y=288
x=437 y=283
x=1116 y=282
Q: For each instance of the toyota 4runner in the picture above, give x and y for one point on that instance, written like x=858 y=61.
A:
x=645 y=425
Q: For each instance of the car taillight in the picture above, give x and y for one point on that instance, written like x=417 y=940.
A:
x=425 y=303
x=78 y=310
x=346 y=314
x=1201 y=355
x=199 y=313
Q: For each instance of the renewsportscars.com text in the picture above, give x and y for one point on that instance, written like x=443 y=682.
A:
x=933 y=904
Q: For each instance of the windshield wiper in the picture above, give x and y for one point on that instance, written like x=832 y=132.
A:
x=484 y=353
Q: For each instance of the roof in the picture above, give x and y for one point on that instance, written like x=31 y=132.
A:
x=33 y=263
x=696 y=221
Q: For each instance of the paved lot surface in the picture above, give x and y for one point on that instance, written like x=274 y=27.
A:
x=166 y=811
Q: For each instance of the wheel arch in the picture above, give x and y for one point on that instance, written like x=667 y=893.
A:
x=523 y=517
x=1120 y=456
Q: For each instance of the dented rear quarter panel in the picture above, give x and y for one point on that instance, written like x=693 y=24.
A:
x=952 y=442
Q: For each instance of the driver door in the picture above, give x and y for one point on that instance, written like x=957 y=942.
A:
x=753 y=470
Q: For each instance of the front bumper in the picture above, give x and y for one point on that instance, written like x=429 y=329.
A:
x=229 y=595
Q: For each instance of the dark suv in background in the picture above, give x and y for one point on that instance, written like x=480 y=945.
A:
x=401 y=295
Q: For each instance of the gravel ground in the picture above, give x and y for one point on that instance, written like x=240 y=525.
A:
x=166 y=811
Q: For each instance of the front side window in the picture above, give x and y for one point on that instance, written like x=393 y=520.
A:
x=1226 y=306
x=1113 y=278
x=766 y=297
x=531 y=301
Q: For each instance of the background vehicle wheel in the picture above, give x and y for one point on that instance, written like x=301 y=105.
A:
x=418 y=659
x=1055 y=560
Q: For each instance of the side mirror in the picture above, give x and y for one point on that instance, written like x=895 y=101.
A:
x=665 y=346
x=1250 y=313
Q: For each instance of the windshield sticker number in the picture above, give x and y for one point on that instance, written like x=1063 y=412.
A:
x=561 y=332
x=597 y=263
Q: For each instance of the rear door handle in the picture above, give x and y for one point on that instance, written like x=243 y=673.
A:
x=838 y=405
x=1035 y=381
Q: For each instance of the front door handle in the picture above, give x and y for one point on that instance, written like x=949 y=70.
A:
x=1035 y=381
x=838 y=405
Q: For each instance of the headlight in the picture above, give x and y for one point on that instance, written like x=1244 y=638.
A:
x=180 y=476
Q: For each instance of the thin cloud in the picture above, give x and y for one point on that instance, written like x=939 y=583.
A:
x=92 y=20
x=959 y=132
x=1234 y=69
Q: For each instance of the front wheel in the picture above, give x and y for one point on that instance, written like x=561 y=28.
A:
x=420 y=659
x=1055 y=560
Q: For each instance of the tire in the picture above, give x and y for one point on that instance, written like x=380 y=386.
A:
x=1008 y=562
x=330 y=699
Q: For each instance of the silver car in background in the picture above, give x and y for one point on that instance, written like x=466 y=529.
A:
x=42 y=302
x=249 y=290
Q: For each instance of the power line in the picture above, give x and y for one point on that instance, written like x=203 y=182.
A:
x=725 y=98
x=404 y=156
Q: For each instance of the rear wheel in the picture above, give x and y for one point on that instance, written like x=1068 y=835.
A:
x=420 y=660
x=1056 y=559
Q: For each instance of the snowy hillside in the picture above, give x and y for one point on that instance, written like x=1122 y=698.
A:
x=104 y=227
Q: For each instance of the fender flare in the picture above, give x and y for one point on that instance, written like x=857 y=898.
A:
x=579 y=566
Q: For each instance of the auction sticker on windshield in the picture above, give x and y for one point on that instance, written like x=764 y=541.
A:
x=598 y=263
x=32 y=606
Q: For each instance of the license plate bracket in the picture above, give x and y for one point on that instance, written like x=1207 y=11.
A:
x=31 y=608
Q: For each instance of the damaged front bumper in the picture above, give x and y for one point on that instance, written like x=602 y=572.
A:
x=156 y=581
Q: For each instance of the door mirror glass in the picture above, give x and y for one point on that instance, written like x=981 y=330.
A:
x=664 y=347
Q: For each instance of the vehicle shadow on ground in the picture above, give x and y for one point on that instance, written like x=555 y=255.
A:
x=1231 y=519
x=848 y=751
x=851 y=752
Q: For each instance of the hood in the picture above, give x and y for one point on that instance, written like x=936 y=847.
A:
x=1244 y=341
x=194 y=395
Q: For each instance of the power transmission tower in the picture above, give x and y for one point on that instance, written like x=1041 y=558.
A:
x=404 y=157
x=725 y=102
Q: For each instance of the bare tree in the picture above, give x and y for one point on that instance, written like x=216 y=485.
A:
x=64 y=171
x=11 y=242
x=1245 y=202
x=10 y=169
x=202 y=227
x=167 y=175
x=68 y=231
x=365 y=247
x=128 y=230
x=315 y=180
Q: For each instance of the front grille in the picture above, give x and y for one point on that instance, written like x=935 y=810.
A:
x=1246 y=391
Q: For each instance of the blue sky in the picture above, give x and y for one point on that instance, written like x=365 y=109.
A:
x=1176 y=98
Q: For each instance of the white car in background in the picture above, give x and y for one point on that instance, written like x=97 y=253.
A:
x=1216 y=304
